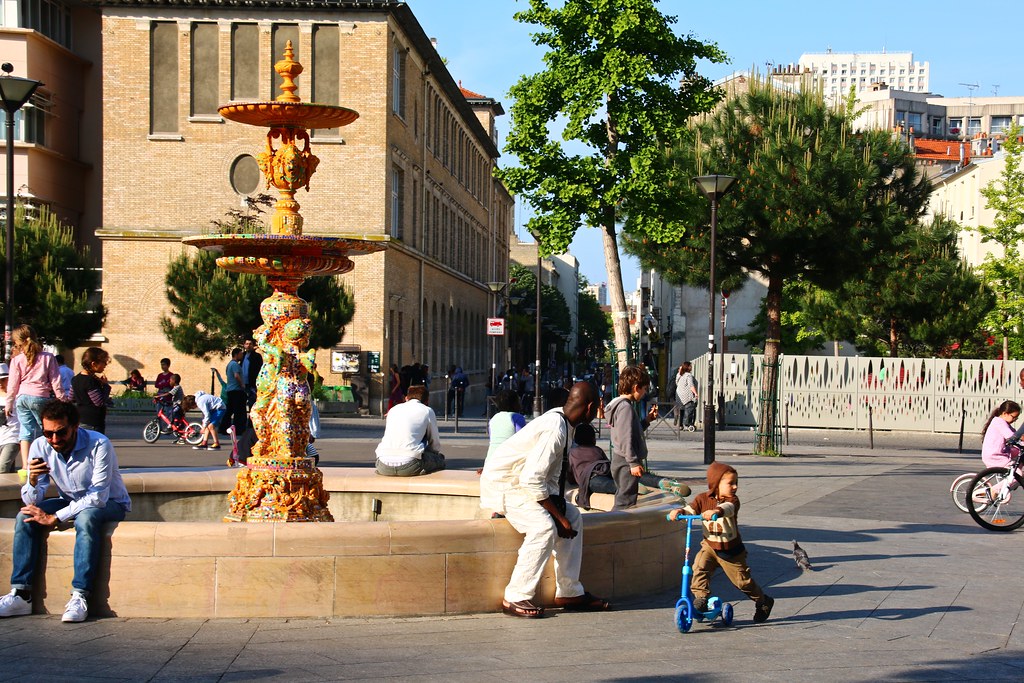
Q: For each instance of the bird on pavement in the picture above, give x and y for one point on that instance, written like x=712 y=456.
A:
x=801 y=558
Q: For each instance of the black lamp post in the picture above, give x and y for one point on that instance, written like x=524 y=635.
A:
x=14 y=93
x=496 y=289
x=538 y=403
x=713 y=187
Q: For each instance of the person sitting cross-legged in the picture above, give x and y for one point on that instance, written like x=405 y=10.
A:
x=591 y=470
x=411 y=444
x=82 y=466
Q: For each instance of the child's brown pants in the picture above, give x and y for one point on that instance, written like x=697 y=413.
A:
x=735 y=567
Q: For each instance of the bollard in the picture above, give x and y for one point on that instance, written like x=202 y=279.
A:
x=871 y=429
x=787 y=423
x=963 y=418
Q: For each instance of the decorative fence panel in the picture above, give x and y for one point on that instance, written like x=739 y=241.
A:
x=905 y=394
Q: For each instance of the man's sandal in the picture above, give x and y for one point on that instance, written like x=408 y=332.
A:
x=583 y=603
x=523 y=608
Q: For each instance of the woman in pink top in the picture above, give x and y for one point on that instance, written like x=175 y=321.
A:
x=34 y=379
x=996 y=431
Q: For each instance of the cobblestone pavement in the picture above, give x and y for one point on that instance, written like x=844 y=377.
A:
x=904 y=588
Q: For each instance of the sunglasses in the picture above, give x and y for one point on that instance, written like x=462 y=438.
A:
x=59 y=433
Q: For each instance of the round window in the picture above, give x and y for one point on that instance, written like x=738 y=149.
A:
x=245 y=175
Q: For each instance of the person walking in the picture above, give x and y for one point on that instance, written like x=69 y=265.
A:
x=34 y=378
x=686 y=396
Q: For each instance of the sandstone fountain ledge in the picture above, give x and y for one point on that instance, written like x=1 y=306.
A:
x=432 y=551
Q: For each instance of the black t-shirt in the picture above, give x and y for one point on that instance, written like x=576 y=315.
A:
x=95 y=417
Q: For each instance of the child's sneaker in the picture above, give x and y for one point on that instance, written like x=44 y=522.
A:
x=763 y=609
x=674 y=487
x=700 y=604
x=181 y=442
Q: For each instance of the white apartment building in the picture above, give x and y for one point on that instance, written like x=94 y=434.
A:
x=599 y=292
x=865 y=71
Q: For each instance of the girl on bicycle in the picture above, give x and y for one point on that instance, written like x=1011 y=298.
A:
x=996 y=431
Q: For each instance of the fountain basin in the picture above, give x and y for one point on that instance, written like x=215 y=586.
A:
x=431 y=552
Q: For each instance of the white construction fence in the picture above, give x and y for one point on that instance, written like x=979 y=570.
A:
x=905 y=394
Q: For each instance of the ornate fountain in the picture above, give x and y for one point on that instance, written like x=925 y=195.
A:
x=280 y=484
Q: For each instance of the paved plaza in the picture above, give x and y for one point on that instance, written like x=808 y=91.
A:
x=904 y=588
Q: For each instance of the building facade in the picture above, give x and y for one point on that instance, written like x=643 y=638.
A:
x=57 y=145
x=416 y=166
x=838 y=72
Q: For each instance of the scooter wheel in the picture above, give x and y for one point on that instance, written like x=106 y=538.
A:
x=727 y=614
x=684 y=618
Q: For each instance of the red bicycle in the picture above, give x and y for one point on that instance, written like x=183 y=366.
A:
x=178 y=427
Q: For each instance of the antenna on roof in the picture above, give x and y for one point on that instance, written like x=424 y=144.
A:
x=995 y=90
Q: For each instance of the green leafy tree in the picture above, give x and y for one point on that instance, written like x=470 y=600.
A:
x=812 y=202
x=624 y=84
x=213 y=309
x=554 y=317
x=54 y=281
x=1004 y=272
x=594 y=325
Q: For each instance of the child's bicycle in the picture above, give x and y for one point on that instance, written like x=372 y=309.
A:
x=179 y=427
x=993 y=503
x=685 y=612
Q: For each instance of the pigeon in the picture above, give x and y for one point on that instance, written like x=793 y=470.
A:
x=801 y=558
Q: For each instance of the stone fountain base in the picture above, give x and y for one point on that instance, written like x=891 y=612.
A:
x=433 y=551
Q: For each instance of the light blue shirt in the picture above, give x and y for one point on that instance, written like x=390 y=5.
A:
x=88 y=479
x=234 y=370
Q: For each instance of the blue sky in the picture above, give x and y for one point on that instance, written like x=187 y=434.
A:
x=488 y=51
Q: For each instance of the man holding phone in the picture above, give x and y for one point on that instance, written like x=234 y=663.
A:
x=83 y=466
x=523 y=479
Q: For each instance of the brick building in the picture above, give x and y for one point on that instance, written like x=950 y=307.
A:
x=416 y=166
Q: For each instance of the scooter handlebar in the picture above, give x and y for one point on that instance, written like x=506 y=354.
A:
x=686 y=517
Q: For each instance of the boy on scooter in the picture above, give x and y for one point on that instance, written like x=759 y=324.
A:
x=722 y=545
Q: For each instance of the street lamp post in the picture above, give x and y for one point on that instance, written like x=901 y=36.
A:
x=721 y=363
x=713 y=187
x=538 y=404
x=14 y=93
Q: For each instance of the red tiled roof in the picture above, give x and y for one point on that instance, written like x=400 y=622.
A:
x=470 y=95
x=941 y=150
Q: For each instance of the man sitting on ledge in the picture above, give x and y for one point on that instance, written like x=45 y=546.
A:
x=82 y=465
x=411 y=444
x=524 y=479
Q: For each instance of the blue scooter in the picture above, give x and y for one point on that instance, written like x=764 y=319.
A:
x=685 y=612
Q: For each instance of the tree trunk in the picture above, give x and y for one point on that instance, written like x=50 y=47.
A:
x=620 y=316
x=770 y=374
x=616 y=293
x=894 y=340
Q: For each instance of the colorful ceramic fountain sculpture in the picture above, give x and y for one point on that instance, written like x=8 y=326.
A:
x=280 y=484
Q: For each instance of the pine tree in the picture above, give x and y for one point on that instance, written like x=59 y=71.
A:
x=812 y=202
x=214 y=309
x=55 y=283
x=917 y=299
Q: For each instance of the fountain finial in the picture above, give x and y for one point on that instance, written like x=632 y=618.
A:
x=288 y=69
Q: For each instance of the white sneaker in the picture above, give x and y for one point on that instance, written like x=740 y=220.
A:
x=13 y=606
x=76 y=610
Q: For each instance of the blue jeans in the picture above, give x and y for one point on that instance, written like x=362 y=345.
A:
x=28 y=408
x=88 y=539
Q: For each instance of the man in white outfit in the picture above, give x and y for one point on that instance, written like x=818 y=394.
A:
x=521 y=480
